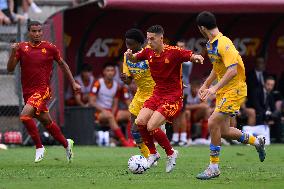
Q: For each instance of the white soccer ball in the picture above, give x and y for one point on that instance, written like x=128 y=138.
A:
x=137 y=164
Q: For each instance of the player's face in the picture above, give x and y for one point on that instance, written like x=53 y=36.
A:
x=36 y=33
x=181 y=44
x=132 y=45
x=109 y=72
x=269 y=85
x=154 y=40
x=86 y=75
x=203 y=31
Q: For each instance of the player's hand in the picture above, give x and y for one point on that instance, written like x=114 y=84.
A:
x=207 y=93
x=128 y=54
x=196 y=58
x=125 y=78
x=15 y=47
x=76 y=87
x=201 y=90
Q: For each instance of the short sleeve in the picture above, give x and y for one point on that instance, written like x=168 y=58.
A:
x=184 y=55
x=142 y=55
x=56 y=53
x=95 y=88
x=125 y=69
x=228 y=52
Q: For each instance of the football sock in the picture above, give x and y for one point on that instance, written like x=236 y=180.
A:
x=141 y=145
x=214 y=156
x=175 y=137
x=147 y=138
x=248 y=139
x=55 y=131
x=32 y=130
x=163 y=140
x=120 y=136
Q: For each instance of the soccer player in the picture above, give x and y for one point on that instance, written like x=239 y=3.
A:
x=230 y=90
x=166 y=101
x=140 y=72
x=36 y=58
x=104 y=97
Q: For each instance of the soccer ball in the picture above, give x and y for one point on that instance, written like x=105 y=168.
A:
x=137 y=164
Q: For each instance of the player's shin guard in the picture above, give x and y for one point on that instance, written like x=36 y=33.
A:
x=32 y=130
x=248 y=139
x=120 y=136
x=141 y=145
x=55 y=131
x=163 y=141
x=147 y=138
x=214 y=155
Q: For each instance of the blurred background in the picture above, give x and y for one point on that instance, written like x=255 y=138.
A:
x=91 y=34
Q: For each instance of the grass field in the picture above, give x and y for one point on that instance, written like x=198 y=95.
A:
x=107 y=168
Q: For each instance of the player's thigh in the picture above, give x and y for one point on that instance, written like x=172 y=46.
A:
x=28 y=110
x=144 y=116
x=156 y=120
x=123 y=115
x=219 y=120
x=105 y=116
x=44 y=118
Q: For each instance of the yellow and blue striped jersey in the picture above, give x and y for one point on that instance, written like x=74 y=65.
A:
x=141 y=74
x=223 y=54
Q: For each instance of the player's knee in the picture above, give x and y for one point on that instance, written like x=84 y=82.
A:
x=140 y=121
x=151 y=126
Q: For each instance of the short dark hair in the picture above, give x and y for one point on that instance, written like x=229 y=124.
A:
x=86 y=68
x=157 y=29
x=181 y=41
x=206 y=19
x=136 y=35
x=270 y=77
x=108 y=65
x=33 y=23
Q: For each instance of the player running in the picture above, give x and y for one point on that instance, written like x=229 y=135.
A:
x=166 y=101
x=231 y=91
x=36 y=58
x=140 y=72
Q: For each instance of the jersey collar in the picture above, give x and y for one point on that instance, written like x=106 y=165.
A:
x=216 y=37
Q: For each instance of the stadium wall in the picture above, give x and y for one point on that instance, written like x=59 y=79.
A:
x=95 y=36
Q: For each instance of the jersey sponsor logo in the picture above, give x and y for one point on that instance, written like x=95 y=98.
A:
x=26 y=48
x=167 y=61
x=43 y=51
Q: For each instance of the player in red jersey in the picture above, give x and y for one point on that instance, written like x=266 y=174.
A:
x=166 y=101
x=36 y=59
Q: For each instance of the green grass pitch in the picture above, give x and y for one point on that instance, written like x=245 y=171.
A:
x=95 y=167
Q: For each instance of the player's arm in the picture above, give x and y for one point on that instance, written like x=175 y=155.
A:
x=78 y=100
x=14 y=58
x=187 y=55
x=208 y=82
x=125 y=76
x=93 y=97
x=134 y=58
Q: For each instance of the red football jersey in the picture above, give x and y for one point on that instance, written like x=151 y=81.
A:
x=36 y=65
x=166 y=69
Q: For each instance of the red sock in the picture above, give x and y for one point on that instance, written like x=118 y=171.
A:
x=129 y=134
x=32 y=130
x=55 y=131
x=120 y=136
x=147 y=138
x=204 y=129
x=163 y=141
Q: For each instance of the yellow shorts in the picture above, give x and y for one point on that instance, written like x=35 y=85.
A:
x=137 y=102
x=231 y=101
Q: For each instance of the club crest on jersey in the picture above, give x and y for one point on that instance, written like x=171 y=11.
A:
x=43 y=51
x=167 y=61
x=26 y=48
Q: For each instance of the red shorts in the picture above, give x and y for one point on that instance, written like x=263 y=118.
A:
x=169 y=107
x=39 y=100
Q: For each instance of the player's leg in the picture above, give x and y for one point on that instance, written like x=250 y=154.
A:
x=54 y=130
x=123 y=118
x=106 y=115
x=26 y=117
x=156 y=120
x=138 y=138
x=216 y=122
